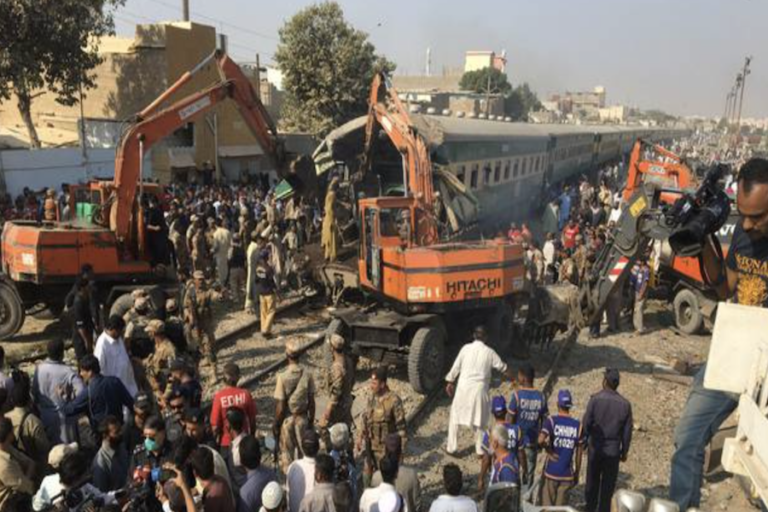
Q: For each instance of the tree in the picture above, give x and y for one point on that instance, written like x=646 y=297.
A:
x=478 y=81
x=50 y=45
x=521 y=101
x=327 y=68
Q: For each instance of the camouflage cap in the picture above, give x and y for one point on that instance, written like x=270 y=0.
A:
x=292 y=348
x=156 y=326
x=198 y=274
x=337 y=341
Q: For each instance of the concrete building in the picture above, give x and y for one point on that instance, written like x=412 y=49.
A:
x=476 y=60
x=589 y=101
x=134 y=72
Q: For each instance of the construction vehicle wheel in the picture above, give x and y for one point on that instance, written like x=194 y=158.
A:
x=501 y=326
x=11 y=311
x=426 y=359
x=121 y=306
x=688 y=316
x=335 y=327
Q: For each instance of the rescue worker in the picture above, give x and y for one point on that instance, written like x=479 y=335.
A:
x=51 y=206
x=514 y=452
x=295 y=409
x=339 y=382
x=528 y=409
x=247 y=225
x=159 y=363
x=328 y=240
x=383 y=416
x=222 y=244
x=563 y=439
x=472 y=368
x=198 y=315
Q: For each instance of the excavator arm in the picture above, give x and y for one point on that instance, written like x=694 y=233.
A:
x=662 y=167
x=387 y=111
x=155 y=123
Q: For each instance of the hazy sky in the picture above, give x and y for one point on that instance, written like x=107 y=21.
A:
x=678 y=55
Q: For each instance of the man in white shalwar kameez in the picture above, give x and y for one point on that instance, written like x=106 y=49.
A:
x=471 y=402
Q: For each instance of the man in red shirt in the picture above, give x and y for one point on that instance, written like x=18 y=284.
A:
x=231 y=396
x=569 y=235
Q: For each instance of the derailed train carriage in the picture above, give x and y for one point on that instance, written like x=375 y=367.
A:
x=503 y=168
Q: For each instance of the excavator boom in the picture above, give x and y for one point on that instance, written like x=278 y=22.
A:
x=155 y=123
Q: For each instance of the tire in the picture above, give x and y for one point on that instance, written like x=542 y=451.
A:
x=426 y=359
x=501 y=323
x=121 y=306
x=11 y=311
x=688 y=316
x=335 y=327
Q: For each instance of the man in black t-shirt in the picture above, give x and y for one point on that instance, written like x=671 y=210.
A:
x=744 y=277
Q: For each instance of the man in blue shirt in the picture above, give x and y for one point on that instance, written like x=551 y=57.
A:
x=513 y=444
x=528 y=409
x=103 y=395
x=504 y=467
x=257 y=478
x=563 y=439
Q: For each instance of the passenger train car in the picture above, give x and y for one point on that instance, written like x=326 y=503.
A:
x=508 y=165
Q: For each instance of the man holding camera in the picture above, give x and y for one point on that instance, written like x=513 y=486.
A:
x=743 y=277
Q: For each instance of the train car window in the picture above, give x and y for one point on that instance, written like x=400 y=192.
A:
x=517 y=164
x=536 y=165
x=462 y=173
x=487 y=174
x=507 y=165
x=525 y=166
x=473 y=178
x=497 y=172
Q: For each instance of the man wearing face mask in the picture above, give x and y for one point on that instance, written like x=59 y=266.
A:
x=110 y=466
x=152 y=454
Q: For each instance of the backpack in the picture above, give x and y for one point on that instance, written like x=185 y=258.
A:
x=298 y=397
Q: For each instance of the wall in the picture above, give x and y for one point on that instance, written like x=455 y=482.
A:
x=44 y=168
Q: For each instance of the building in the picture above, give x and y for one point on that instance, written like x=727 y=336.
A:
x=584 y=101
x=133 y=73
x=476 y=60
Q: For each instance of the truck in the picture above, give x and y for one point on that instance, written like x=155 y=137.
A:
x=40 y=261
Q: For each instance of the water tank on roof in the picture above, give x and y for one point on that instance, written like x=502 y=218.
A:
x=446 y=111
x=415 y=109
x=508 y=119
x=459 y=114
x=431 y=110
x=491 y=117
x=471 y=115
x=482 y=116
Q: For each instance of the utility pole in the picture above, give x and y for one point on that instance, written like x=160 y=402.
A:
x=726 y=112
x=736 y=88
x=185 y=10
x=744 y=74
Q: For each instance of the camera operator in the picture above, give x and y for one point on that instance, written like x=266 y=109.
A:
x=743 y=276
x=77 y=491
x=175 y=494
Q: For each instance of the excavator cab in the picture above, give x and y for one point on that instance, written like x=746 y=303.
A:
x=387 y=223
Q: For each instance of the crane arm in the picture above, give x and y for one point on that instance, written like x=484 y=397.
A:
x=668 y=168
x=387 y=111
x=155 y=123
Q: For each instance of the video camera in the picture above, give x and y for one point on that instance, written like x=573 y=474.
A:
x=695 y=216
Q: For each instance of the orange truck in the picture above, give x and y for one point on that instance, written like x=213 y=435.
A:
x=41 y=260
x=424 y=291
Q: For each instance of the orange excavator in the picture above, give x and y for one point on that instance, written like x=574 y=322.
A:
x=424 y=290
x=41 y=260
x=693 y=301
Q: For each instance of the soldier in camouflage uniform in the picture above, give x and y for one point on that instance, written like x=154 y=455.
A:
x=137 y=318
x=295 y=411
x=201 y=258
x=159 y=363
x=198 y=315
x=339 y=381
x=383 y=416
x=174 y=326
